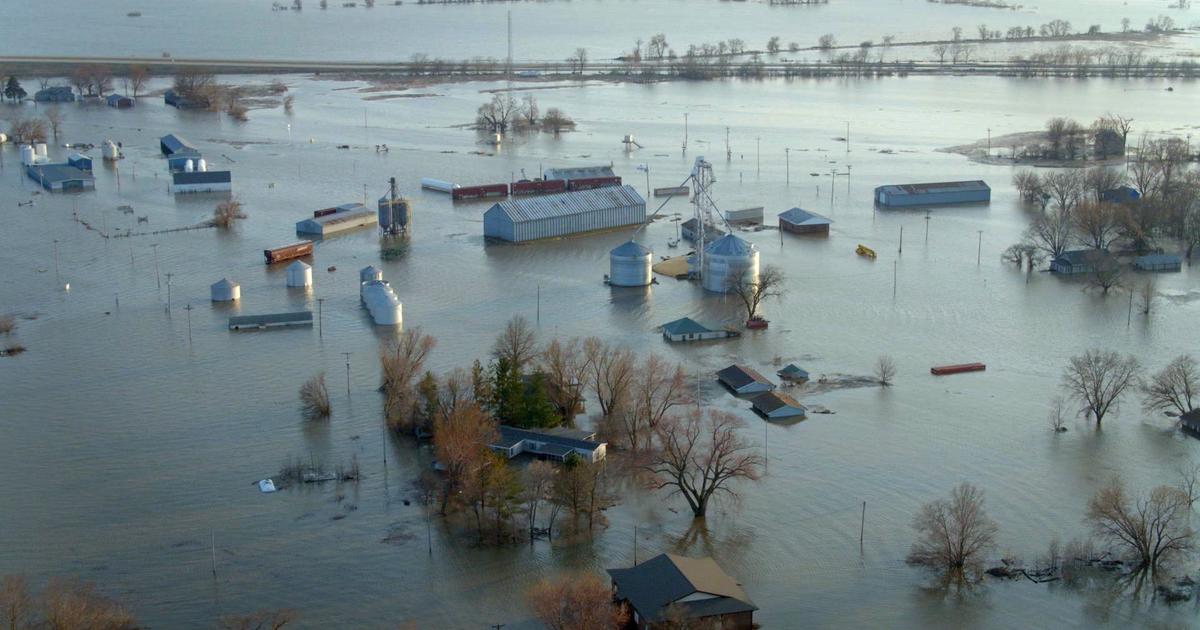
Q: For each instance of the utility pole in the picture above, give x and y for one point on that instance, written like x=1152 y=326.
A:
x=157 y=277
x=347 y=355
x=57 y=278
x=685 y=131
x=539 y=305
x=901 y=240
x=169 y=274
x=979 y=249
x=188 y=308
x=862 y=527
x=787 y=165
x=1129 y=317
x=927 y=228
x=510 y=63
x=895 y=272
x=847 y=136
x=320 y=326
x=989 y=142
x=757 y=156
x=729 y=152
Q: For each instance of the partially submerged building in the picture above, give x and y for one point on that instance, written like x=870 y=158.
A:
x=744 y=380
x=1190 y=421
x=935 y=194
x=55 y=94
x=583 y=177
x=1158 y=262
x=687 y=329
x=667 y=586
x=513 y=441
x=330 y=221
x=118 y=101
x=801 y=221
x=746 y=216
x=1075 y=262
x=726 y=260
x=564 y=214
x=689 y=229
x=172 y=144
x=198 y=179
x=60 y=177
x=630 y=265
x=1121 y=194
x=777 y=406
x=793 y=373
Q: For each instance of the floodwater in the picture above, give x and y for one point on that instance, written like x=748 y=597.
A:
x=132 y=435
x=547 y=31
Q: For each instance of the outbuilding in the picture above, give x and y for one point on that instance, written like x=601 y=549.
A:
x=743 y=380
x=201 y=181
x=1158 y=262
x=801 y=221
x=689 y=229
x=744 y=216
x=1190 y=421
x=1075 y=262
x=226 y=290
x=330 y=221
x=60 y=177
x=513 y=441
x=687 y=329
x=55 y=94
x=777 y=406
x=1121 y=194
x=118 y=101
x=564 y=214
x=172 y=144
x=793 y=373
x=299 y=274
x=667 y=586
x=935 y=194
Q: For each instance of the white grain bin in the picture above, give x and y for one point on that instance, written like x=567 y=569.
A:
x=3 y=138
x=41 y=149
x=299 y=274
x=630 y=265
x=27 y=155
x=201 y=166
x=226 y=290
x=727 y=258
x=109 y=150
x=370 y=272
x=189 y=166
x=382 y=303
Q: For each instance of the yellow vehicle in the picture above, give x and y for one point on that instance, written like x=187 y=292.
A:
x=865 y=252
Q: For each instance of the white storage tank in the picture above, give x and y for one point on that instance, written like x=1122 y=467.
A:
x=382 y=303
x=226 y=290
x=189 y=166
x=299 y=274
x=437 y=184
x=27 y=155
x=202 y=166
x=3 y=138
x=370 y=272
x=630 y=265
x=109 y=150
x=41 y=150
x=727 y=258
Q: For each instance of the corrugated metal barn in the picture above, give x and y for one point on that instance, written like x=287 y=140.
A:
x=942 y=193
x=528 y=219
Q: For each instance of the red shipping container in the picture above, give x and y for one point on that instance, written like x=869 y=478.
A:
x=477 y=192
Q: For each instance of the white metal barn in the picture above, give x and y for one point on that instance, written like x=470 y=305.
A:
x=532 y=218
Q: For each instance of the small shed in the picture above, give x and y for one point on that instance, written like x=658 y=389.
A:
x=172 y=144
x=1121 y=194
x=226 y=290
x=777 y=406
x=687 y=329
x=55 y=94
x=1158 y=262
x=330 y=221
x=668 y=587
x=793 y=373
x=745 y=216
x=1074 y=262
x=801 y=221
x=688 y=230
x=299 y=274
x=118 y=101
x=1190 y=421
x=744 y=380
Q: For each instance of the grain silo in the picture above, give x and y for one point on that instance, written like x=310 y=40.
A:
x=726 y=259
x=110 y=151
x=394 y=210
x=370 y=272
x=382 y=303
x=299 y=274
x=226 y=290
x=630 y=265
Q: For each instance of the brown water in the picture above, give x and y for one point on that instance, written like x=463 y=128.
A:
x=128 y=449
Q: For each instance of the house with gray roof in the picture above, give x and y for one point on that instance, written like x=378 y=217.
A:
x=668 y=587
x=801 y=221
x=777 y=406
x=550 y=444
x=1074 y=262
x=55 y=94
x=793 y=373
x=60 y=177
x=744 y=380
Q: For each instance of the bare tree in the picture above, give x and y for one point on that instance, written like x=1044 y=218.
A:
x=753 y=291
x=578 y=60
x=564 y=367
x=460 y=443
x=885 y=370
x=826 y=42
x=529 y=110
x=27 y=130
x=71 y=604
x=1121 y=124
x=1064 y=187
x=1105 y=271
x=610 y=373
x=1029 y=184
x=1151 y=530
x=1096 y=223
x=16 y=604
x=138 y=75
x=517 y=344
x=314 y=398
x=576 y=602
x=1057 y=416
x=940 y=50
x=227 y=212
x=556 y=120
x=536 y=480
x=658 y=388
x=400 y=363
x=701 y=455
x=54 y=118
x=261 y=620
x=1189 y=482
x=1173 y=388
x=497 y=114
x=1098 y=379
x=195 y=86
x=1146 y=293
x=1099 y=179
x=954 y=533
x=234 y=106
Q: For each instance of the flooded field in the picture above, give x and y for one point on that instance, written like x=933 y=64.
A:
x=132 y=433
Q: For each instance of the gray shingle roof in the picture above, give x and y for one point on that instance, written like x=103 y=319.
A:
x=662 y=580
x=569 y=203
x=684 y=326
x=767 y=402
x=800 y=216
x=737 y=376
x=513 y=435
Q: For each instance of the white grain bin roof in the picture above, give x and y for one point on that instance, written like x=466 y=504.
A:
x=569 y=203
x=299 y=265
x=225 y=283
x=730 y=245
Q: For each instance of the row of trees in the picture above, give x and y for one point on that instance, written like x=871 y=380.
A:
x=504 y=112
x=1099 y=380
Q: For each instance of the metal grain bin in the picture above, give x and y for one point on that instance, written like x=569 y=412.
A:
x=725 y=259
x=226 y=290
x=299 y=274
x=629 y=265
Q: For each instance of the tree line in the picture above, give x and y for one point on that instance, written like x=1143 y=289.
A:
x=504 y=112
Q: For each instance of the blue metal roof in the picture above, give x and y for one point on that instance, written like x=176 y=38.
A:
x=1159 y=259
x=172 y=144
x=793 y=370
x=800 y=216
x=730 y=245
x=630 y=249
x=569 y=203
x=57 y=173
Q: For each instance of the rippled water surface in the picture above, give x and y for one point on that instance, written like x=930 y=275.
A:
x=129 y=448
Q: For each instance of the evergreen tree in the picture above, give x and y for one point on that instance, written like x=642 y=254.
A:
x=13 y=90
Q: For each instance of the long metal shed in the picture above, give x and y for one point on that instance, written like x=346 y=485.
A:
x=533 y=218
x=936 y=194
x=172 y=144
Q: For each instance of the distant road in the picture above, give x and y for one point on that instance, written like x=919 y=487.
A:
x=62 y=66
